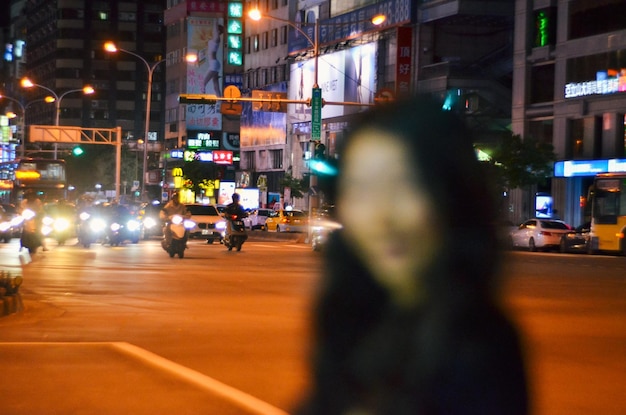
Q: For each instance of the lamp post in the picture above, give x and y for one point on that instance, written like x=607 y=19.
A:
x=87 y=90
x=316 y=101
x=110 y=47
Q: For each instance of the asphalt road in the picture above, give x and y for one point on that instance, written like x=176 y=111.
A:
x=239 y=318
x=130 y=330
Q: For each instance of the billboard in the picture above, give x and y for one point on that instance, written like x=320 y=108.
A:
x=204 y=38
x=262 y=128
x=348 y=75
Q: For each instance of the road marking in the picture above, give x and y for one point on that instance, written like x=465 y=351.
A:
x=237 y=397
x=205 y=382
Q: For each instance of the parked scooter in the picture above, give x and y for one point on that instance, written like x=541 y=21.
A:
x=235 y=233
x=179 y=228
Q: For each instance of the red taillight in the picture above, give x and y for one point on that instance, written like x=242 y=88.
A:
x=544 y=233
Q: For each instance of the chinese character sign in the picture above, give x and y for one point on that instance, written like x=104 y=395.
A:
x=203 y=76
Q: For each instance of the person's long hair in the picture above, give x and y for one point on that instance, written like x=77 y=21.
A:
x=351 y=303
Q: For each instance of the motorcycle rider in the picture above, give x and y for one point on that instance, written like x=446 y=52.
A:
x=171 y=208
x=234 y=209
x=31 y=232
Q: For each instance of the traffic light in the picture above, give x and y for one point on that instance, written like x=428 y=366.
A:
x=78 y=151
x=319 y=152
x=234 y=33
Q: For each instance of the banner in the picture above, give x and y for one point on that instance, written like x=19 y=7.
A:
x=204 y=76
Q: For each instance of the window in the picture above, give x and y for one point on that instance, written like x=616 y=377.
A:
x=265 y=43
x=545 y=27
x=576 y=138
x=249 y=160
x=276 y=158
x=274 y=38
x=542 y=84
x=255 y=43
x=283 y=35
x=588 y=18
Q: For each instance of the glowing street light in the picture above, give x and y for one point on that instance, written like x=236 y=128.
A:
x=56 y=98
x=112 y=48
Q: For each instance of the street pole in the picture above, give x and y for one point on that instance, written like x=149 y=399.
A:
x=110 y=47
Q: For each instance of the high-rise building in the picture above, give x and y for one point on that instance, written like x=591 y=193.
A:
x=570 y=90
x=59 y=46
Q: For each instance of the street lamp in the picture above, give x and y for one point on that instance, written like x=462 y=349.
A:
x=22 y=122
x=86 y=90
x=110 y=47
x=316 y=93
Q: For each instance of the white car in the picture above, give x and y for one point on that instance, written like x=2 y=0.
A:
x=257 y=218
x=539 y=233
x=209 y=222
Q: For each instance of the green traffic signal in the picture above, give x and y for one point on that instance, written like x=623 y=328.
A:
x=78 y=151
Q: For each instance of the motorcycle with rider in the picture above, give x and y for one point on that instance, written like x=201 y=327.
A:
x=235 y=233
x=177 y=224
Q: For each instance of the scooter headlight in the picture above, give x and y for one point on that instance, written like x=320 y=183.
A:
x=177 y=219
x=28 y=214
x=133 y=225
x=84 y=215
x=5 y=226
x=115 y=226
x=61 y=224
x=149 y=223
x=97 y=225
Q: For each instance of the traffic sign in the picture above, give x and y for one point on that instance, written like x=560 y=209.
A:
x=316 y=114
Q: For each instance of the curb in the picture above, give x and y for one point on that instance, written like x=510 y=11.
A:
x=298 y=237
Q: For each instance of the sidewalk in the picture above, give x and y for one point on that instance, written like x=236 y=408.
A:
x=111 y=378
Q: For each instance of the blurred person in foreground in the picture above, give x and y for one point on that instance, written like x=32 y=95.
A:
x=408 y=320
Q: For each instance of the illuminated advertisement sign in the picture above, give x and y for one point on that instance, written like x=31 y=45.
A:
x=203 y=77
x=348 y=75
x=582 y=168
x=348 y=25
x=606 y=82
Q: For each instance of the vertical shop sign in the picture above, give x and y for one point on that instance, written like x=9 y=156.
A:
x=404 y=61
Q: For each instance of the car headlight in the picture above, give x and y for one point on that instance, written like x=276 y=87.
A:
x=189 y=224
x=84 y=215
x=220 y=225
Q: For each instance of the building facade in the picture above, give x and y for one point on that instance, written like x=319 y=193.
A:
x=570 y=90
x=61 y=45
x=204 y=134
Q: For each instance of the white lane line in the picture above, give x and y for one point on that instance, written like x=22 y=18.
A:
x=244 y=400
x=237 y=397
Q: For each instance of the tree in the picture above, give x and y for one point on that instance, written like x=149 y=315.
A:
x=517 y=162
x=298 y=186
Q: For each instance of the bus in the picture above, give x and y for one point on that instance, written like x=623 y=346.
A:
x=47 y=177
x=608 y=213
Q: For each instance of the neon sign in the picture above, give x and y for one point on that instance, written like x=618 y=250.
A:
x=606 y=82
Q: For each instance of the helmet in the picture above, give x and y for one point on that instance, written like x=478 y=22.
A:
x=235 y=197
